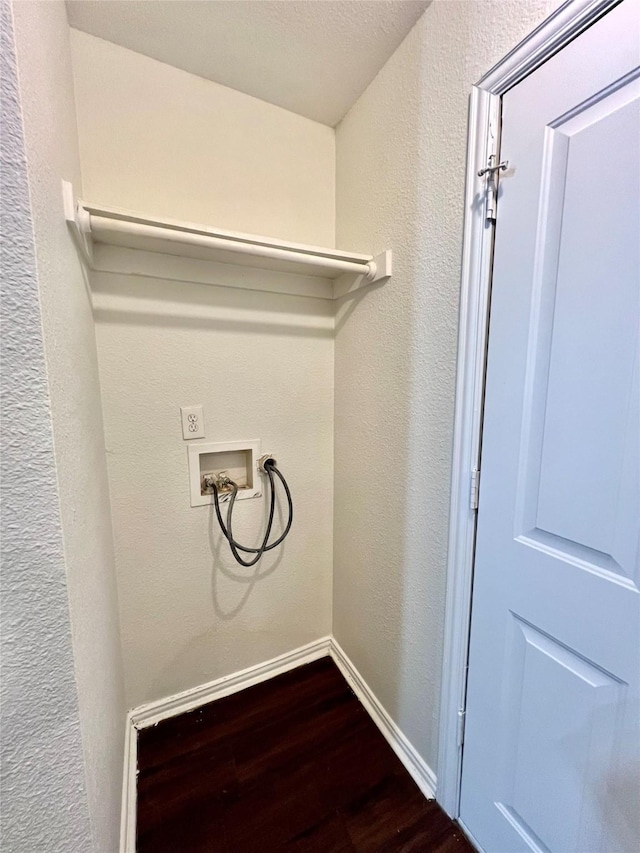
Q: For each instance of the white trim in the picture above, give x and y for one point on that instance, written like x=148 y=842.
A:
x=418 y=769
x=154 y=712
x=563 y=25
x=129 y=792
x=180 y=703
x=476 y=271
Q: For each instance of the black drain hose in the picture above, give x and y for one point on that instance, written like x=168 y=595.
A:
x=270 y=468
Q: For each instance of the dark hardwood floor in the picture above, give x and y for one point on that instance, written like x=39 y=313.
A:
x=292 y=764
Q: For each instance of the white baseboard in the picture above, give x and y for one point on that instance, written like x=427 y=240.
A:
x=129 y=789
x=418 y=769
x=153 y=712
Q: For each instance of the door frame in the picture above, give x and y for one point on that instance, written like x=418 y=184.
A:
x=567 y=22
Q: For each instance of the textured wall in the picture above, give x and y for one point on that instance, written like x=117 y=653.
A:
x=46 y=93
x=44 y=799
x=400 y=185
x=261 y=364
x=159 y=140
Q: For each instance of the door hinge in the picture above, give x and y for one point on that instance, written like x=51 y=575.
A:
x=491 y=171
x=462 y=716
x=475 y=488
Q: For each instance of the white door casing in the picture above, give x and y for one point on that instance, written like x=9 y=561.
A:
x=552 y=704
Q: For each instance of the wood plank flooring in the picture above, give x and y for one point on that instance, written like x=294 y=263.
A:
x=293 y=764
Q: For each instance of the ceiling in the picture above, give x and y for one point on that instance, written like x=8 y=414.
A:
x=313 y=57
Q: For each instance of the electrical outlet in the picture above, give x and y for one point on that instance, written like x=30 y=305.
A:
x=192 y=422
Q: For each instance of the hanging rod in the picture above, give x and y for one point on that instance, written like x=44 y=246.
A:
x=140 y=234
x=98 y=229
x=93 y=225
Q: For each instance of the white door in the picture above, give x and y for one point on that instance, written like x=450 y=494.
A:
x=551 y=757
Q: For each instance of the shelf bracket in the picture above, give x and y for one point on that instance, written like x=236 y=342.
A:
x=78 y=222
x=348 y=283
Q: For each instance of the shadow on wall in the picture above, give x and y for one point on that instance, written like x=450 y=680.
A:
x=140 y=301
x=400 y=176
x=346 y=305
x=228 y=578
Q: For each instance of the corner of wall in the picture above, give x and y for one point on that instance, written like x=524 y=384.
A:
x=396 y=354
x=45 y=801
x=51 y=147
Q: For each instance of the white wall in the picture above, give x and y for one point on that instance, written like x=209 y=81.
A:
x=163 y=141
x=46 y=94
x=157 y=139
x=261 y=364
x=400 y=184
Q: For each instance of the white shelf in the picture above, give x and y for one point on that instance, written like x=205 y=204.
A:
x=116 y=240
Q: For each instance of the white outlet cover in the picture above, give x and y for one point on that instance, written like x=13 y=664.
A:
x=192 y=422
x=195 y=451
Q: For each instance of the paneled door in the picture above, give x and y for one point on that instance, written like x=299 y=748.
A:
x=551 y=758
